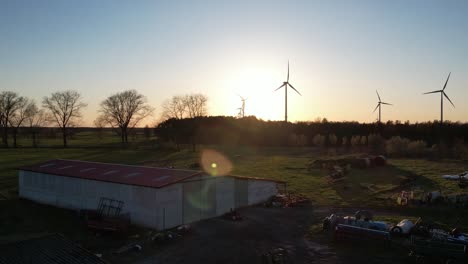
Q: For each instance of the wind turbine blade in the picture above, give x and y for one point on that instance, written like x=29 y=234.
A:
x=376 y=107
x=448 y=99
x=438 y=91
x=279 y=87
x=295 y=89
x=287 y=80
x=385 y=103
x=378 y=95
x=446 y=81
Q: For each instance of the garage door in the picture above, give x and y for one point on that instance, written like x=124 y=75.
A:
x=241 y=192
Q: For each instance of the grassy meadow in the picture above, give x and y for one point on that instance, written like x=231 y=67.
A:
x=363 y=187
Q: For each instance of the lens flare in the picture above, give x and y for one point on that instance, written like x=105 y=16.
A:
x=215 y=163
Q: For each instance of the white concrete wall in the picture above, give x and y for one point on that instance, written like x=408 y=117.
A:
x=146 y=206
x=260 y=191
x=224 y=195
x=169 y=206
x=150 y=207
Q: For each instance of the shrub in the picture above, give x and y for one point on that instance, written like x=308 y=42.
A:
x=318 y=140
x=439 y=151
x=397 y=146
x=459 y=150
x=376 y=142
x=417 y=148
x=332 y=139
x=363 y=141
x=297 y=140
x=344 y=141
x=355 y=141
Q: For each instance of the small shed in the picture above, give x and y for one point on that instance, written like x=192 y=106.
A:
x=158 y=198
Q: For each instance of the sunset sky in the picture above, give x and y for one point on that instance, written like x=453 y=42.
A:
x=340 y=52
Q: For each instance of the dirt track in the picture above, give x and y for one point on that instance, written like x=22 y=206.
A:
x=222 y=241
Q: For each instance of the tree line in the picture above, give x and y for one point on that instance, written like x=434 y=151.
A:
x=185 y=121
x=256 y=132
x=122 y=111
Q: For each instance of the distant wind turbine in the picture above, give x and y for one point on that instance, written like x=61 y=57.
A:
x=442 y=94
x=379 y=106
x=285 y=85
x=242 y=108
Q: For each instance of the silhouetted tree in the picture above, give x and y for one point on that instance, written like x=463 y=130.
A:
x=196 y=105
x=9 y=104
x=174 y=108
x=25 y=109
x=65 y=109
x=99 y=124
x=35 y=120
x=125 y=110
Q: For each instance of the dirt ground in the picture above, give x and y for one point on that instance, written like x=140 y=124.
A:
x=262 y=230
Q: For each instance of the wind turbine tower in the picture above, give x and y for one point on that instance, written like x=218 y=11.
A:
x=442 y=94
x=285 y=85
x=379 y=106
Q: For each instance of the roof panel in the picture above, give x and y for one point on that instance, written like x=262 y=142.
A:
x=117 y=173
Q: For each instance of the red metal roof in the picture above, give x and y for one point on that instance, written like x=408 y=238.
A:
x=117 y=173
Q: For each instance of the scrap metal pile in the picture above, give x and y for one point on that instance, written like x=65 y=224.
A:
x=426 y=240
x=338 y=168
x=361 y=162
x=287 y=200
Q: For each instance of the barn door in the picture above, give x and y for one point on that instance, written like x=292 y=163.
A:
x=241 y=193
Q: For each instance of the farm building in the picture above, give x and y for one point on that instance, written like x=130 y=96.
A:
x=153 y=197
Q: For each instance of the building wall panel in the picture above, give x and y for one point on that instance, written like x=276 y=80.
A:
x=241 y=192
x=224 y=195
x=186 y=202
x=191 y=201
x=169 y=206
x=260 y=191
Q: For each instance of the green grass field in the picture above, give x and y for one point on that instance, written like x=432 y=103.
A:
x=366 y=187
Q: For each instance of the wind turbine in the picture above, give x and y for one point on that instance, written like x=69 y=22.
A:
x=442 y=94
x=285 y=85
x=242 y=108
x=379 y=106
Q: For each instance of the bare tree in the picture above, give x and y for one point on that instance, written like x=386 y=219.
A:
x=25 y=108
x=196 y=105
x=124 y=111
x=99 y=123
x=64 y=108
x=35 y=120
x=9 y=103
x=175 y=108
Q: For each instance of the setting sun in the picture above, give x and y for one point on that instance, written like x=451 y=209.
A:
x=257 y=85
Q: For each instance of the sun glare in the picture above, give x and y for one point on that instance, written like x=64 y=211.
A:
x=257 y=86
